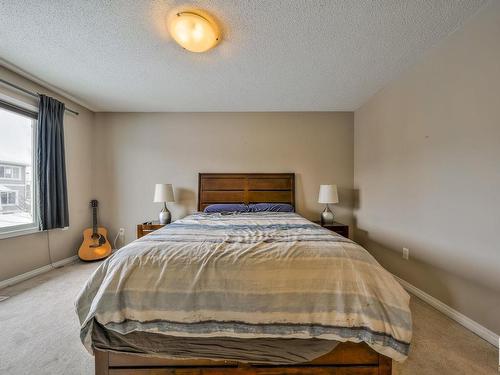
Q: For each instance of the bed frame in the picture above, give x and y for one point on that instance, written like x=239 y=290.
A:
x=346 y=359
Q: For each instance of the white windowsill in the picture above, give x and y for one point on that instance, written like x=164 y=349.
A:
x=18 y=232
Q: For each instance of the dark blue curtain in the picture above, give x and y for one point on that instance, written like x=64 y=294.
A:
x=51 y=165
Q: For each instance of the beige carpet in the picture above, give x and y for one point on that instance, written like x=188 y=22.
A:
x=39 y=333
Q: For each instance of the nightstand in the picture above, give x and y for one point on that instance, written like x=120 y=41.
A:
x=338 y=228
x=151 y=226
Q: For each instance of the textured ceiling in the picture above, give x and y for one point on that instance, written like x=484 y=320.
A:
x=280 y=55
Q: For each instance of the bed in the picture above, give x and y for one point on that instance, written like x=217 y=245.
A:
x=251 y=293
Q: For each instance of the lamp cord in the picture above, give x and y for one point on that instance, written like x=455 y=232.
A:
x=114 y=242
x=48 y=251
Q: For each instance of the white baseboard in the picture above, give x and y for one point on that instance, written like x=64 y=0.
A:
x=35 y=272
x=460 y=318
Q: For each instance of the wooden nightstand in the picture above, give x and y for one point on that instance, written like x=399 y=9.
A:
x=339 y=228
x=143 y=229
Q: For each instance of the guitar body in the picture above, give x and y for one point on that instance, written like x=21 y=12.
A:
x=95 y=245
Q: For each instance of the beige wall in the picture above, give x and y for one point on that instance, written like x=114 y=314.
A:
x=26 y=253
x=136 y=150
x=427 y=171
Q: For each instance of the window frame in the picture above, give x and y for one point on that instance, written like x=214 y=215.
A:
x=30 y=112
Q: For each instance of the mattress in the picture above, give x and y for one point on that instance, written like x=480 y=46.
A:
x=245 y=276
x=271 y=351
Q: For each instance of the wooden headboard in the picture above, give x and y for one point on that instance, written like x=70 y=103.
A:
x=245 y=188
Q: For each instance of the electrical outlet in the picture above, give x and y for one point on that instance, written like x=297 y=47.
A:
x=406 y=253
x=121 y=232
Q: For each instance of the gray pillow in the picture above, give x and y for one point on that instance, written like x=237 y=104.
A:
x=226 y=207
x=270 y=207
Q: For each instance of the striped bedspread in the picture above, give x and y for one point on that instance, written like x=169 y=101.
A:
x=252 y=275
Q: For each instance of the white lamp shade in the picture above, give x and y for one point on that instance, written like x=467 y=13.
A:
x=164 y=193
x=328 y=194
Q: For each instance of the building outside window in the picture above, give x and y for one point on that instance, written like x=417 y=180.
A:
x=17 y=134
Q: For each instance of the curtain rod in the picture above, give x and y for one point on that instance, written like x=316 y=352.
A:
x=31 y=93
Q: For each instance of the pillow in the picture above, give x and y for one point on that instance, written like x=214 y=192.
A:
x=226 y=207
x=270 y=207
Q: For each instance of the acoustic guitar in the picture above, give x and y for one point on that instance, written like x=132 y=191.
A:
x=95 y=244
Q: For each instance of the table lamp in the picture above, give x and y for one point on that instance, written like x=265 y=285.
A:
x=164 y=193
x=328 y=194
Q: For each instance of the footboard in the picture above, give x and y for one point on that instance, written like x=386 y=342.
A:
x=346 y=359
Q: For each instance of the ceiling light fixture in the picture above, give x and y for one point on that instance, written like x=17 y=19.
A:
x=193 y=31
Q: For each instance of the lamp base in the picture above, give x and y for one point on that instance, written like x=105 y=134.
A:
x=327 y=216
x=164 y=217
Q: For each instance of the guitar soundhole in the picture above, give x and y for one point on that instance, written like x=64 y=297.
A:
x=95 y=236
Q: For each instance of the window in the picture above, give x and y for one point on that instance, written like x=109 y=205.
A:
x=10 y=173
x=8 y=198
x=17 y=208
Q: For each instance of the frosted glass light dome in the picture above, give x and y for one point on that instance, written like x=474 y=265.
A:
x=193 y=31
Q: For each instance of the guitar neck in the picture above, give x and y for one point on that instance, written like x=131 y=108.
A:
x=94 y=220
